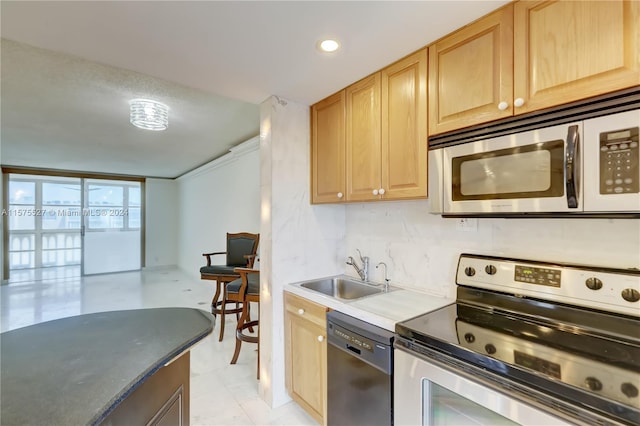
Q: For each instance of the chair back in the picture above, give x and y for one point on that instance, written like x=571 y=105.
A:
x=240 y=245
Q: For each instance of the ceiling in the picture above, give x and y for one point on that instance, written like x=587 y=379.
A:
x=70 y=68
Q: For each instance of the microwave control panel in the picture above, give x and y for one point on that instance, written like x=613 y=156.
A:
x=619 y=162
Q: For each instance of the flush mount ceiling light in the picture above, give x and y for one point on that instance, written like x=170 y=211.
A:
x=328 y=45
x=149 y=115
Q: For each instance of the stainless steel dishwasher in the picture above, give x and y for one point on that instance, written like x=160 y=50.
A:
x=359 y=372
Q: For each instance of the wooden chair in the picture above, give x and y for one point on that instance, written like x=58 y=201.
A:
x=241 y=252
x=246 y=290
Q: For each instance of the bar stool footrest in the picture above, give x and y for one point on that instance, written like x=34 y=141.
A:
x=215 y=309
x=245 y=337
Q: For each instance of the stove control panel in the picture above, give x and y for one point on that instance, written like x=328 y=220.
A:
x=540 y=276
x=612 y=290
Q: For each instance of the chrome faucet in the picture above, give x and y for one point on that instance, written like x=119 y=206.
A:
x=386 y=280
x=364 y=271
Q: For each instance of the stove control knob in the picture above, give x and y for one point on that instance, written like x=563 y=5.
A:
x=490 y=269
x=631 y=294
x=469 y=338
x=593 y=283
x=593 y=384
x=469 y=271
x=490 y=349
x=629 y=390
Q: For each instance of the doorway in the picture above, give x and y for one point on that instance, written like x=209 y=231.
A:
x=111 y=232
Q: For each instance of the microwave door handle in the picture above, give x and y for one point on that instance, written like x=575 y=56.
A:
x=571 y=166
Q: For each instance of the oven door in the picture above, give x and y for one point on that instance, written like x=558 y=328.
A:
x=534 y=171
x=426 y=393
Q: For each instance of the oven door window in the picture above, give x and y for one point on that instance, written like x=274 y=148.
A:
x=528 y=171
x=443 y=407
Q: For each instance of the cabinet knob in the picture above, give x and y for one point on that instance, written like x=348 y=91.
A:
x=301 y=311
x=381 y=191
x=503 y=105
x=518 y=102
x=340 y=194
x=375 y=192
x=320 y=338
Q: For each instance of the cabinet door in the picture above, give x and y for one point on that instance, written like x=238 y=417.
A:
x=363 y=139
x=162 y=399
x=306 y=355
x=471 y=73
x=570 y=50
x=327 y=150
x=404 y=128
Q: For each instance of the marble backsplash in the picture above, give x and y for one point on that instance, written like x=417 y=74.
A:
x=421 y=249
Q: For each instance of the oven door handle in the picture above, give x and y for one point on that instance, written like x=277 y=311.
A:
x=571 y=166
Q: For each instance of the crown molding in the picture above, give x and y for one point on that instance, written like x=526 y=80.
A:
x=233 y=155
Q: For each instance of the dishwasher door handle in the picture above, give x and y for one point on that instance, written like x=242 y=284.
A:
x=353 y=349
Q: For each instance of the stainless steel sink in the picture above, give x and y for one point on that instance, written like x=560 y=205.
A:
x=342 y=288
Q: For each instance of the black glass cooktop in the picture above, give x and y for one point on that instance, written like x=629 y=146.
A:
x=583 y=356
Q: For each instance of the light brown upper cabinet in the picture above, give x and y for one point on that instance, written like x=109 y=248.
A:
x=471 y=74
x=363 y=139
x=569 y=50
x=383 y=149
x=532 y=55
x=328 y=149
x=404 y=128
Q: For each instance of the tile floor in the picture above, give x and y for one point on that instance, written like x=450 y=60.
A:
x=221 y=394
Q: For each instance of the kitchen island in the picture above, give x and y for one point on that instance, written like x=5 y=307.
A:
x=120 y=367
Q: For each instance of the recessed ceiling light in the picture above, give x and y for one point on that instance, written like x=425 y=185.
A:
x=329 y=45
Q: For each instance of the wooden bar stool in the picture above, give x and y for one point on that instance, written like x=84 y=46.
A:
x=241 y=252
x=246 y=290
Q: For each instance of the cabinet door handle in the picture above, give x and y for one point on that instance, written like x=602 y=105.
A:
x=381 y=191
x=301 y=311
x=320 y=338
x=339 y=194
x=375 y=192
x=518 y=102
x=503 y=105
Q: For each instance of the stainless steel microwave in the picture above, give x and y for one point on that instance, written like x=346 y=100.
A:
x=589 y=166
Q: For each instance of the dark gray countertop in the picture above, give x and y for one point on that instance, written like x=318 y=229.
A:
x=76 y=370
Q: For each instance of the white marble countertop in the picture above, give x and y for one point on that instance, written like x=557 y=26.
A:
x=383 y=310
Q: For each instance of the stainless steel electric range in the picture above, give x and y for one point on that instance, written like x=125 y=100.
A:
x=526 y=342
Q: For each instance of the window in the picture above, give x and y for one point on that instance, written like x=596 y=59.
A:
x=113 y=205
x=22 y=205
x=62 y=204
x=134 y=207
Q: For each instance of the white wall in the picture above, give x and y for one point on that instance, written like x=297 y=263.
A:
x=161 y=223
x=421 y=250
x=219 y=197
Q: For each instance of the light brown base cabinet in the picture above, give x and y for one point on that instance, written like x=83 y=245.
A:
x=306 y=354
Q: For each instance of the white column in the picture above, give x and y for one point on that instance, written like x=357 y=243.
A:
x=2 y=219
x=297 y=240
